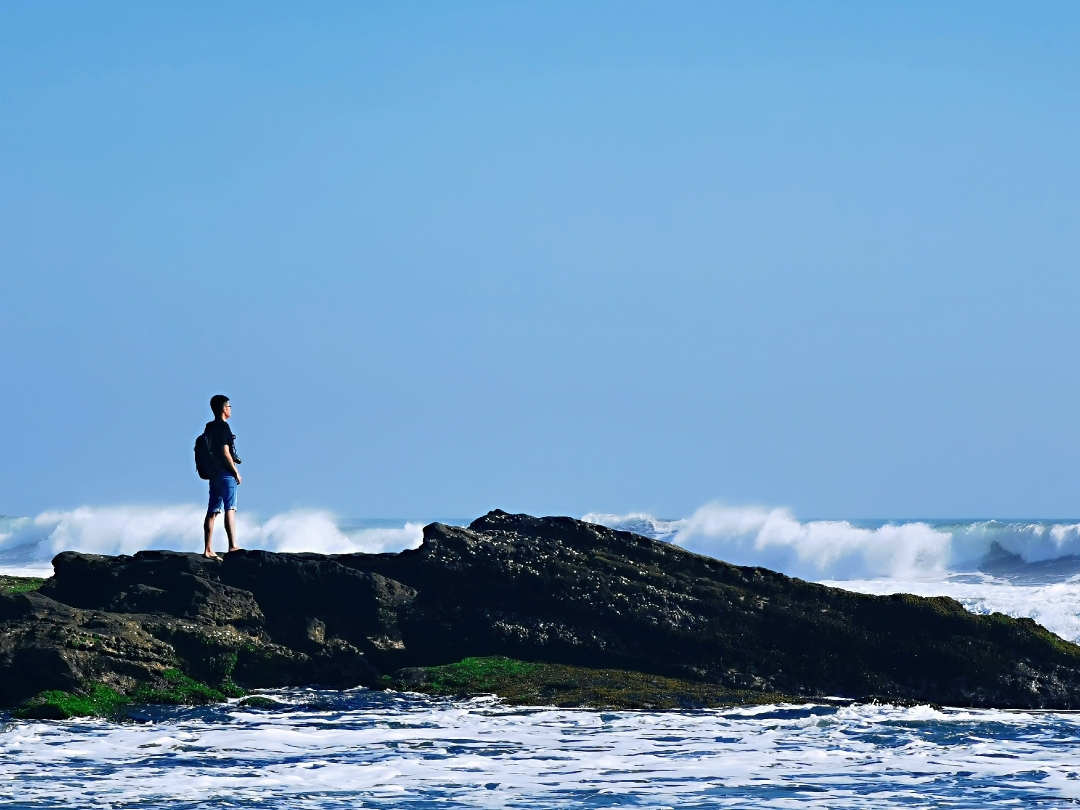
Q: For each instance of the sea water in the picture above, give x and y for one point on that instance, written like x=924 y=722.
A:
x=360 y=748
x=370 y=749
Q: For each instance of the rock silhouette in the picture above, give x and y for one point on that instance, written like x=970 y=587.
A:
x=554 y=590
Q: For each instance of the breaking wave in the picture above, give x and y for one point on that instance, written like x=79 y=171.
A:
x=32 y=542
x=842 y=550
x=1020 y=568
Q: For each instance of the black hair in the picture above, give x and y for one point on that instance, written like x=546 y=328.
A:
x=217 y=404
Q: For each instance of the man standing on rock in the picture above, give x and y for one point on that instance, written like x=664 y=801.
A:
x=226 y=478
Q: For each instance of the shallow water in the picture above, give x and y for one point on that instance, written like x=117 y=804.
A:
x=364 y=749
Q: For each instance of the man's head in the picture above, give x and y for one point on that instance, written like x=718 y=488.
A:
x=219 y=404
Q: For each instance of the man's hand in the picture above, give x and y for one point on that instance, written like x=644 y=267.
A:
x=227 y=453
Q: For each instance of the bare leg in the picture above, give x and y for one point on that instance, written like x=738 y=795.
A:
x=208 y=534
x=230 y=529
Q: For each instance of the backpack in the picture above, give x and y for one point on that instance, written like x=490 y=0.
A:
x=204 y=459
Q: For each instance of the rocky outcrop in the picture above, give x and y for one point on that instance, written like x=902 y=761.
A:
x=45 y=645
x=161 y=582
x=560 y=590
x=125 y=621
x=551 y=590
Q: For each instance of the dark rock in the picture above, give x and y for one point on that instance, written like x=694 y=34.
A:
x=44 y=711
x=311 y=601
x=565 y=591
x=553 y=590
x=54 y=646
x=1002 y=563
x=543 y=684
x=166 y=582
x=260 y=702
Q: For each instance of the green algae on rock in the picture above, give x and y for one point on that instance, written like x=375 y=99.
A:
x=19 y=584
x=541 y=684
x=177 y=689
x=96 y=700
x=174 y=688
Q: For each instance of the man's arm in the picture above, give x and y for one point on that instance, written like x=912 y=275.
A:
x=226 y=454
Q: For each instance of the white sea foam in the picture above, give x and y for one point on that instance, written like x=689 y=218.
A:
x=774 y=539
x=1056 y=606
x=840 y=550
x=905 y=557
x=28 y=543
x=385 y=750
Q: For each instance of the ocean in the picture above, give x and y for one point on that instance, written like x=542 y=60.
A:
x=358 y=748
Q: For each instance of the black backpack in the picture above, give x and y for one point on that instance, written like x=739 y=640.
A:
x=204 y=459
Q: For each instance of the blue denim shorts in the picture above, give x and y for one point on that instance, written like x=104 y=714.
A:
x=222 y=493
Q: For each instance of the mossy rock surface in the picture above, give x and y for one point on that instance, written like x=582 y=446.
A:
x=260 y=702
x=19 y=584
x=177 y=689
x=97 y=700
x=543 y=684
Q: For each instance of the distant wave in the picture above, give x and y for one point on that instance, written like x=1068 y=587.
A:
x=1027 y=568
x=748 y=535
x=1022 y=568
x=843 y=550
x=25 y=542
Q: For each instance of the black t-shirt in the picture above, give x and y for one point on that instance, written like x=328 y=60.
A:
x=220 y=434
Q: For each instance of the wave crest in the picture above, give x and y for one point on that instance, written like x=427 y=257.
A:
x=127 y=529
x=842 y=550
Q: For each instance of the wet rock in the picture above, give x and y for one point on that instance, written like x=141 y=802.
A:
x=261 y=702
x=564 y=591
x=553 y=590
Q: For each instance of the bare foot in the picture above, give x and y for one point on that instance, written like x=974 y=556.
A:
x=211 y=556
x=235 y=548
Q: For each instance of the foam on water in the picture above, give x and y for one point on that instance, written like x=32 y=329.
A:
x=387 y=750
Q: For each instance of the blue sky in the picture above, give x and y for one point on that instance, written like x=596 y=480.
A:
x=548 y=257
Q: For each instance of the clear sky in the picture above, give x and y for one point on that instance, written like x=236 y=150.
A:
x=548 y=257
